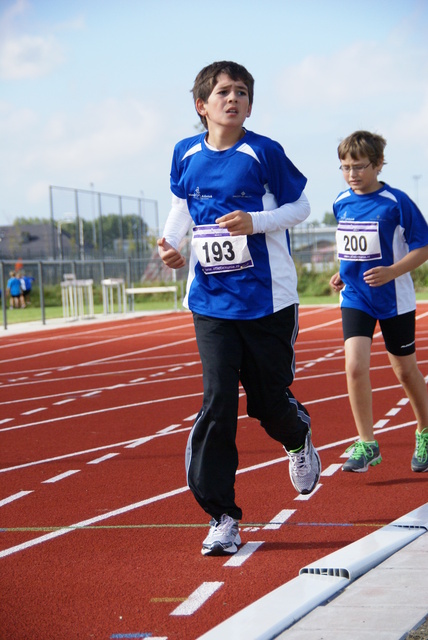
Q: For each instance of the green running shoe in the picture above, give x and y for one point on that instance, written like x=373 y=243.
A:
x=364 y=454
x=420 y=456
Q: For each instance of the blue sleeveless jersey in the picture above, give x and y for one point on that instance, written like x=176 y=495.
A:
x=377 y=229
x=254 y=175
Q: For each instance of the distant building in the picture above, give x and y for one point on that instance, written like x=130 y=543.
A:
x=33 y=242
x=314 y=246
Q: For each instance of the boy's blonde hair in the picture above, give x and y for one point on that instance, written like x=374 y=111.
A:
x=206 y=80
x=363 y=144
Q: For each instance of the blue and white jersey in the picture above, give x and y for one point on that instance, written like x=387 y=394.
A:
x=377 y=229
x=228 y=278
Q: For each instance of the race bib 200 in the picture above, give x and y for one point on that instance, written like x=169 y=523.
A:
x=358 y=241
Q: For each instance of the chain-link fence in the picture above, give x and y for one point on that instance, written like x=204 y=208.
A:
x=52 y=273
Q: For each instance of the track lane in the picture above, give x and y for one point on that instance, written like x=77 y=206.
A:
x=133 y=577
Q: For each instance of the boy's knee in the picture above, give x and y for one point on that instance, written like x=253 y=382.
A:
x=355 y=370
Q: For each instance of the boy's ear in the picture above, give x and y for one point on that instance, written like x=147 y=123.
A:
x=249 y=110
x=200 y=107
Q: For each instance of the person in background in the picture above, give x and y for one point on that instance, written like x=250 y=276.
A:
x=242 y=193
x=26 y=286
x=14 y=291
x=381 y=237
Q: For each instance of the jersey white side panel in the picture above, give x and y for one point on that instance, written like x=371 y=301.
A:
x=404 y=289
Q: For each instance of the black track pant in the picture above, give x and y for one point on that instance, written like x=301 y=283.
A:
x=260 y=354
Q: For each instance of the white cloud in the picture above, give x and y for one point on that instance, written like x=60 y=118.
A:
x=37 y=192
x=15 y=121
x=29 y=57
x=363 y=71
x=412 y=127
x=99 y=139
x=27 y=49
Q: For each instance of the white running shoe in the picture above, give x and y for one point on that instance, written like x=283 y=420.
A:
x=223 y=537
x=305 y=467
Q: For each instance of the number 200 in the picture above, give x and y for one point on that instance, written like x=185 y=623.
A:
x=355 y=243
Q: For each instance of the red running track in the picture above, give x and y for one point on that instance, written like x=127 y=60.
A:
x=99 y=536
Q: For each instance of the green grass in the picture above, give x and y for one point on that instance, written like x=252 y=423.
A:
x=34 y=313
x=31 y=314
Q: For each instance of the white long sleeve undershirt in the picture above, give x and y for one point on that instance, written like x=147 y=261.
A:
x=288 y=215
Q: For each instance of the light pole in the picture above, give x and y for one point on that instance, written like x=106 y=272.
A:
x=94 y=231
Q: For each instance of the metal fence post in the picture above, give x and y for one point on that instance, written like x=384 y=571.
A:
x=3 y=295
x=41 y=292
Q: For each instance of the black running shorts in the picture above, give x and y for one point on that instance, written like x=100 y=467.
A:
x=398 y=332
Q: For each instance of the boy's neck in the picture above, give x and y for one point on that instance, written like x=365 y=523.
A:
x=222 y=139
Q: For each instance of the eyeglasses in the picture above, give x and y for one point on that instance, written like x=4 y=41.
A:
x=358 y=168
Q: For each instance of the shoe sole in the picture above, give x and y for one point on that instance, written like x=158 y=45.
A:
x=373 y=463
x=217 y=549
x=420 y=470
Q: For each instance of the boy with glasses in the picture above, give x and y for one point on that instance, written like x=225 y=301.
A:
x=381 y=237
x=241 y=193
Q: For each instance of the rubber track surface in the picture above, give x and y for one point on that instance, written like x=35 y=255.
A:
x=99 y=535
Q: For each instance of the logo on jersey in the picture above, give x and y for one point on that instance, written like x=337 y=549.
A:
x=242 y=195
x=198 y=195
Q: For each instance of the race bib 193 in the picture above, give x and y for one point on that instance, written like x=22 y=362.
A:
x=358 y=241
x=218 y=251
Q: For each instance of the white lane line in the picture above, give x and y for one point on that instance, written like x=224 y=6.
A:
x=380 y=424
x=98 y=343
x=64 y=401
x=393 y=412
x=330 y=470
x=106 y=410
x=191 y=418
x=170 y=428
x=320 y=326
x=403 y=401
x=243 y=554
x=197 y=599
x=279 y=519
x=137 y=443
x=261 y=465
x=38 y=410
x=91 y=393
x=15 y=496
x=103 y=458
x=6 y=420
x=89 y=522
x=61 y=476
x=143 y=503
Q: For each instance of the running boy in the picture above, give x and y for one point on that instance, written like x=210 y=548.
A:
x=241 y=193
x=381 y=237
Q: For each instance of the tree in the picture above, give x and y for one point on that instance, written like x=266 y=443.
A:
x=329 y=220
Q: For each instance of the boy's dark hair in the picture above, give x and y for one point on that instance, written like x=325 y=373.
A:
x=206 y=80
x=363 y=143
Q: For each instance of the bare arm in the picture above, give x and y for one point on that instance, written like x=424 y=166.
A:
x=378 y=276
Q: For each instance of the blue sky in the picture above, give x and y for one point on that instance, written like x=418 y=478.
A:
x=97 y=92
